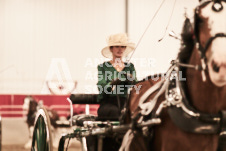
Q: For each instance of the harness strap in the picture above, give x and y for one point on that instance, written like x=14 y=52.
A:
x=222 y=136
x=147 y=107
x=127 y=139
x=184 y=115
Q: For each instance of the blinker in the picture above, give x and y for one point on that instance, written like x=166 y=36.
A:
x=217 y=6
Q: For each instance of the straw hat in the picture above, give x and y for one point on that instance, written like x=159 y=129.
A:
x=120 y=39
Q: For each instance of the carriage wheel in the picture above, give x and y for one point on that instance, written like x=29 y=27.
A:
x=42 y=137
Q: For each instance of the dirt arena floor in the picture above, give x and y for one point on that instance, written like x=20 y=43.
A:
x=21 y=148
x=15 y=135
x=14 y=148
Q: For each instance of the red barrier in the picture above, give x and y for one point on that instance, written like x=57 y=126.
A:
x=12 y=105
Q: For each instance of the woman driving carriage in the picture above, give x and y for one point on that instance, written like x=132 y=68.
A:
x=114 y=79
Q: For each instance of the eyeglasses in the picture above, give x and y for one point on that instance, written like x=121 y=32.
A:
x=120 y=46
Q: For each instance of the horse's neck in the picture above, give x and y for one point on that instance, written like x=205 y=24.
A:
x=204 y=96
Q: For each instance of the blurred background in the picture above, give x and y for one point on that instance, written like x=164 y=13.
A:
x=43 y=40
x=57 y=44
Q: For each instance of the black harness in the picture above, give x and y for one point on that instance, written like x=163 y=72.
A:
x=185 y=116
x=189 y=119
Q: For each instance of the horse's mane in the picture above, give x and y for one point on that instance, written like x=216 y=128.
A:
x=187 y=42
x=187 y=45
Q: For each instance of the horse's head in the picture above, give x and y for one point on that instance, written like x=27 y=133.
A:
x=30 y=104
x=211 y=28
x=208 y=35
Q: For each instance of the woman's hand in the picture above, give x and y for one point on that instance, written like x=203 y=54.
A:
x=116 y=82
x=128 y=81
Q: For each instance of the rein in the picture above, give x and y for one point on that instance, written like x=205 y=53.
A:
x=196 y=67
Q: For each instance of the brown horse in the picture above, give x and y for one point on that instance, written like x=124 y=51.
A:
x=191 y=99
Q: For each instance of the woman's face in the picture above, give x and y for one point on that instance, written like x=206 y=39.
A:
x=117 y=51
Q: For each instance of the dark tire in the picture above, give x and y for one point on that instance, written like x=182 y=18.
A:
x=42 y=136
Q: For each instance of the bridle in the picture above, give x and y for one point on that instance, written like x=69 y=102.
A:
x=217 y=7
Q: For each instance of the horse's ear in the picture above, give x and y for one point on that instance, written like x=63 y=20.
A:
x=187 y=44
